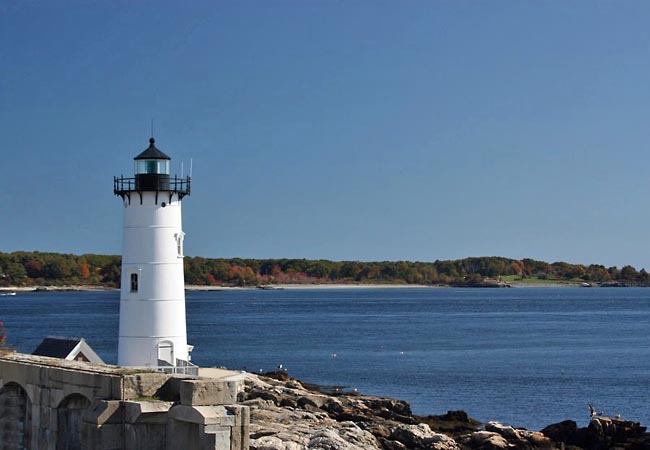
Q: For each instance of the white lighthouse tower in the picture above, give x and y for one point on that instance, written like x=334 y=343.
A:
x=152 y=301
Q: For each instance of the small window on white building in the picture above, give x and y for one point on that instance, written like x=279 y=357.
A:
x=134 y=282
x=180 y=237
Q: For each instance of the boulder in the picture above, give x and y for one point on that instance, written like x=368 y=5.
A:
x=273 y=443
x=486 y=440
x=602 y=433
x=616 y=428
x=421 y=436
x=399 y=407
x=454 y=423
x=566 y=432
x=520 y=438
x=264 y=395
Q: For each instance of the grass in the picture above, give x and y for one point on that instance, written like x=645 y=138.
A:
x=517 y=279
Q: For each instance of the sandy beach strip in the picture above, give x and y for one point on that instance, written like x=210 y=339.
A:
x=70 y=288
x=271 y=287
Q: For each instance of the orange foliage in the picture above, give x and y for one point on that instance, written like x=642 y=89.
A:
x=517 y=267
x=84 y=269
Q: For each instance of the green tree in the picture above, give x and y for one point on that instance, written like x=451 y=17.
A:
x=111 y=274
x=629 y=273
x=15 y=273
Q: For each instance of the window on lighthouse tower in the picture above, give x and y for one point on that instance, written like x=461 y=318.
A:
x=179 y=243
x=134 y=282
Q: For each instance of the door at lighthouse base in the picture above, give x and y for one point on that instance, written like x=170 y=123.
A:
x=166 y=352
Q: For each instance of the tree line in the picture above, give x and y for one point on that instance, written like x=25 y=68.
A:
x=39 y=268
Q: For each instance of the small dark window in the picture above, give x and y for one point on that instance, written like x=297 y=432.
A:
x=134 y=282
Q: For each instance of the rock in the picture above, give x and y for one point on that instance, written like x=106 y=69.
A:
x=387 y=404
x=331 y=440
x=305 y=403
x=257 y=403
x=289 y=415
x=264 y=395
x=486 y=440
x=442 y=442
x=273 y=443
x=411 y=435
x=288 y=403
x=286 y=413
x=307 y=429
x=377 y=430
x=454 y=423
x=602 y=433
x=334 y=406
x=618 y=429
x=280 y=375
x=421 y=436
x=566 y=431
x=328 y=440
x=391 y=445
x=520 y=438
x=294 y=384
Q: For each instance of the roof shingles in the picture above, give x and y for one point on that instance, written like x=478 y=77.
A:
x=56 y=347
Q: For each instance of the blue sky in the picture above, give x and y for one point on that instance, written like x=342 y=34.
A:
x=369 y=130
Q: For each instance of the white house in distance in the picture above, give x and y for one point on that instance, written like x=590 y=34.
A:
x=152 y=300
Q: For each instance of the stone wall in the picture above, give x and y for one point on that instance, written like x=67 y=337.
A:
x=52 y=404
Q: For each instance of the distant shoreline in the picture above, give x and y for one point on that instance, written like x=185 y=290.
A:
x=273 y=287
x=202 y=288
x=67 y=288
x=277 y=287
x=90 y=272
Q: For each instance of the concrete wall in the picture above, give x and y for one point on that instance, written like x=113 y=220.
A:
x=53 y=404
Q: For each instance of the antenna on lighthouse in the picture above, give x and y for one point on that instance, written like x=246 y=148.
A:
x=151 y=127
x=181 y=169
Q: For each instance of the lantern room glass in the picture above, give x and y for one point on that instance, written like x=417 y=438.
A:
x=152 y=166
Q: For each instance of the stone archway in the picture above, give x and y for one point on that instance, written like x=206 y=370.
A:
x=68 y=416
x=15 y=418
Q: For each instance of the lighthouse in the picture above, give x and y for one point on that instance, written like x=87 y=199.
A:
x=152 y=331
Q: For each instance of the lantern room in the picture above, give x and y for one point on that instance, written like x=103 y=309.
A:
x=152 y=161
x=152 y=169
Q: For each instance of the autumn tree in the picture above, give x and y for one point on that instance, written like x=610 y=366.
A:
x=84 y=270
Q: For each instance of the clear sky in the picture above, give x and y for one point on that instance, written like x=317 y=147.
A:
x=365 y=130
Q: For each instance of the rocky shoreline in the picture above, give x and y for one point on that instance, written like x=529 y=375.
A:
x=289 y=415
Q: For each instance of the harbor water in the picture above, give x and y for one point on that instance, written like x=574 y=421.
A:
x=525 y=356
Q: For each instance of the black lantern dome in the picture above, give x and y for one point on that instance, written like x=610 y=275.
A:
x=152 y=175
x=152 y=152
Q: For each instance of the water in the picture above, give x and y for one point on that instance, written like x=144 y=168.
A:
x=527 y=357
